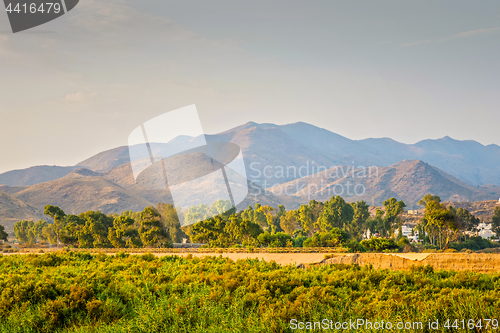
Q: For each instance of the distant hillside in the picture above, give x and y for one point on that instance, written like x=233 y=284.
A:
x=481 y=209
x=293 y=145
x=12 y=189
x=84 y=190
x=407 y=180
x=106 y=160
x=79 y=194
x=13 y=210
x=34 y=175
x=301 y=146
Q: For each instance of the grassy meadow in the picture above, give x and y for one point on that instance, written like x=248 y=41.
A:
x=83 y=292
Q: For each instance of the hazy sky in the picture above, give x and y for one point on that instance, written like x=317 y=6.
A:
x=406 y=70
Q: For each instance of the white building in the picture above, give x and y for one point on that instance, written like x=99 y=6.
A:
x=484 y=230
x=407 y=232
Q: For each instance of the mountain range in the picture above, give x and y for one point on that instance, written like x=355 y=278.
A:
x=308 y=161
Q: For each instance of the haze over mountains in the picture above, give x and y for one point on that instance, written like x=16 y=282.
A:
x=409 y=180
x=290 y=155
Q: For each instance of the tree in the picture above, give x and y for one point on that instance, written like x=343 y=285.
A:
x=259 y=216
x=316 y=209
x=210 y=232
x=392 y=210
x=306 y=220
x=495 y=226
x=38 y=229
x=358 y=225
x=219 y=207
x=465 y=221
x=278 y=239
x=151 y=231
x=94 y=232
x=73 y=225
x=377 y=223
x=248 y=214
x=23 y=232
x=170 y=221
x=270 y=214
x=58 y=216
x=196 y=213
x=334 y=238
x=123 y=233
x=336 y=214
x=3 y=234
x=437 y=215
x=49 y=233
x=288 y=221
x=240 y=231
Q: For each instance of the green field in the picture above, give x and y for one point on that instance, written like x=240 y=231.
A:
x=82 y=292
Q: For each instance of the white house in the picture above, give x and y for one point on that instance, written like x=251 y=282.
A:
x=484 y=230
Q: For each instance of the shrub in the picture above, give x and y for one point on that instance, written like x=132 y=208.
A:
x=379 y=244
x=474 y=244
x=335 y=238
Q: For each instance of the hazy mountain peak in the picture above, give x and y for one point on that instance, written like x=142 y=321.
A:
x=81 y=173
x=181 y=139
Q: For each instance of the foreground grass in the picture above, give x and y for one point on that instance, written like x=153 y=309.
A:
x=81 y=292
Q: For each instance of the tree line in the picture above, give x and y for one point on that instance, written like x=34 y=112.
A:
x=333 y=223
x=153 y=227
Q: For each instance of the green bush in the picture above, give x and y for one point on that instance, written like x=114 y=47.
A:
x=279 y=239
x=334 y=238
x=299 y=241
x=379 y=244
x=474 y=244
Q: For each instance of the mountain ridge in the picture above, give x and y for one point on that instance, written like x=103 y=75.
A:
x=293 y=144
x=408 y=171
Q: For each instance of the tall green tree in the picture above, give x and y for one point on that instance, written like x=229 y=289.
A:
x=393 y=208
x=465 y=221
x=358 y=224
x=336 y=214
x=376 y=224
x=437 y=215
x=259 y=216
x=495 y=226
x=289 y=221
x=38 y=229
x=241 y=231
x=49 y=233
x=3 y=235
x=306 y=220
x=123 y=233
x=24 y=233
x=170 y=221
x=94 y=232
x=58 y=215
x=72 y=227
x=151 y=231
x=248 y=214
x=211 y=232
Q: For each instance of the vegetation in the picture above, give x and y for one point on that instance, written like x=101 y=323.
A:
x=496 y=222
x=379 y=244
x=334 y=223
x=81 y=292
x=153 y=227
x=3 y=234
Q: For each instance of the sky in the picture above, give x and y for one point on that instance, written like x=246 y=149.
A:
x=410 y=71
